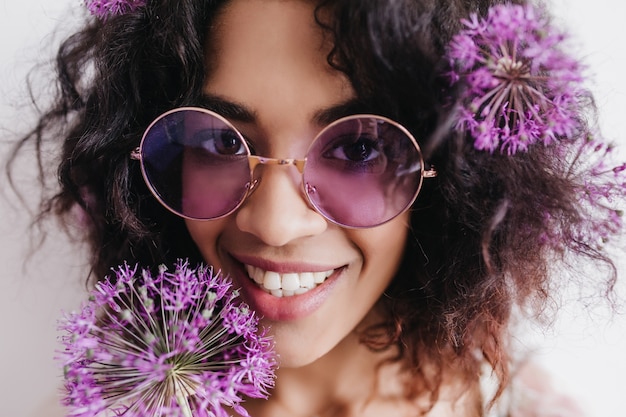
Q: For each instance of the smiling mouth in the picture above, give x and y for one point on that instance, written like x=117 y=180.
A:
x=287 y=284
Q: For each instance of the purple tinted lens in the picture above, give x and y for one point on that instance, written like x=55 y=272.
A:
x=363 y=171
x=195 y=163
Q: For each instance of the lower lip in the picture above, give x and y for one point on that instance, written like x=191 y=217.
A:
x=284 y=308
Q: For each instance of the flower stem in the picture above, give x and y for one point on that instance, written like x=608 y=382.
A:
x=181 y=399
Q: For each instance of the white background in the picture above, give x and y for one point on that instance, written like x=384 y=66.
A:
x=584 y=350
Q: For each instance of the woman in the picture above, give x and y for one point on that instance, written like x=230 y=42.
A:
x=390 y=293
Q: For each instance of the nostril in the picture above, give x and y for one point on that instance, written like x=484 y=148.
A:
x=280 y=212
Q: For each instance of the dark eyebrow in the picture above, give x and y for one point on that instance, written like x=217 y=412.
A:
x=229 y=109
x=347 y=108
x=238 y=112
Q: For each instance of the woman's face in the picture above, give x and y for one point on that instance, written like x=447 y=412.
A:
x=268 y=73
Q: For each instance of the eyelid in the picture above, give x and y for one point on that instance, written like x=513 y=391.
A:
x=249 y=143
x=240 y=130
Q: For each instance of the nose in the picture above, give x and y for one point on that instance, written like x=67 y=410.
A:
x=277 y=211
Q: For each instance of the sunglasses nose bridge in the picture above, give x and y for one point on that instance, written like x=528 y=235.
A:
x=254 y=161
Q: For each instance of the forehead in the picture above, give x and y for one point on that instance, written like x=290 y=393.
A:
x=271 y=56
x=241 y=21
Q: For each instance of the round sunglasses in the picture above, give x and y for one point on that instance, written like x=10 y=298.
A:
x=360 y=171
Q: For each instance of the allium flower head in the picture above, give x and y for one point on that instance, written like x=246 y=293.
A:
x=601 y=193
x=518 y=85
x=172 y=344
x=105 y=8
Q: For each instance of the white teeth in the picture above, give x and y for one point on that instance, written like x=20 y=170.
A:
x=307 y=281
x=271 y=281
x=319 y=277
x=291 y=282
x=258 y=276
x=288 y=284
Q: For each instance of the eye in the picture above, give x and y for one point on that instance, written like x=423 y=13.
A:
x=220 y=142
x=360 y=149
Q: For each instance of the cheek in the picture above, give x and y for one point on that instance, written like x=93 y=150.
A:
x=382 y=247
x=209 y=189
x=205 y=235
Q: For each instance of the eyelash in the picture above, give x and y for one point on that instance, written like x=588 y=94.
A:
x=249 y=144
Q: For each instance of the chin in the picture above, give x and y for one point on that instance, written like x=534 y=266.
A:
x=296 y=349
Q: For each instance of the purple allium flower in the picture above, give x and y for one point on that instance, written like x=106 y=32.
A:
x=105 y=8
x=518 y=85
x=172 y=344
x=599 y=183
x=602 y=192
